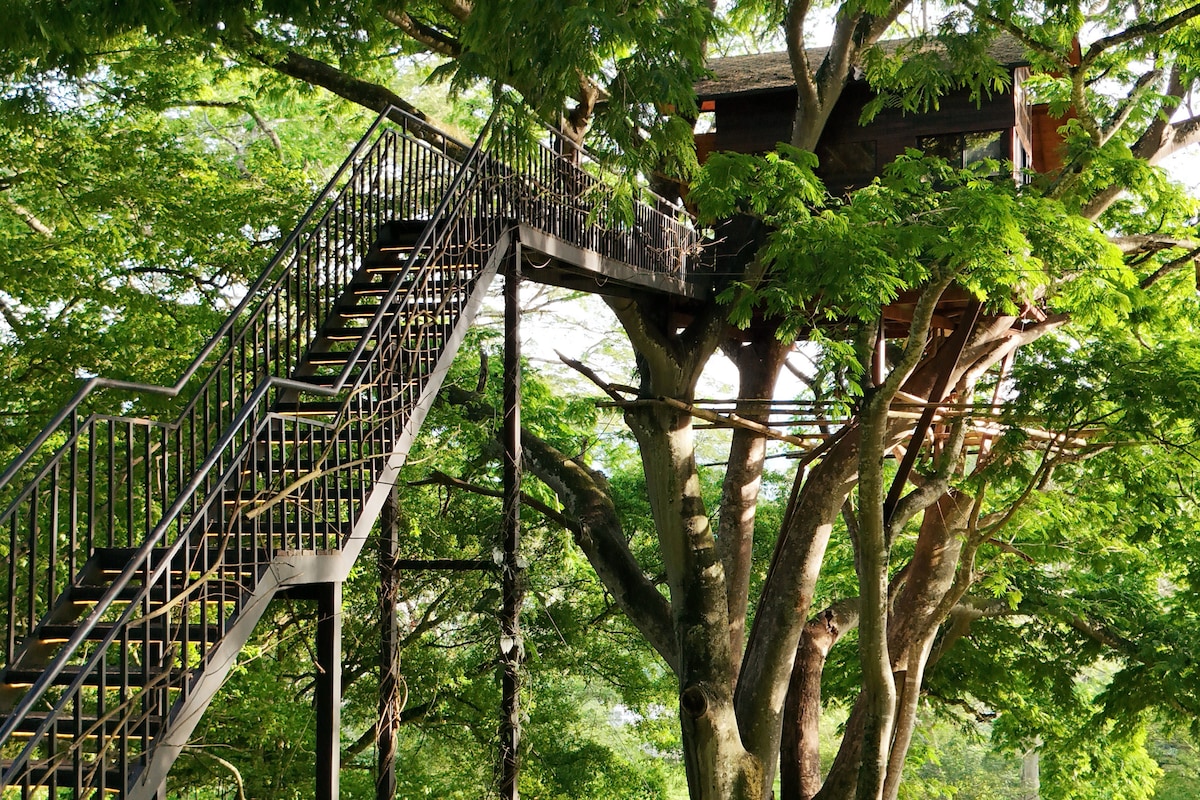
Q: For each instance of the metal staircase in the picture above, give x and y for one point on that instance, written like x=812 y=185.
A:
x=140 y=552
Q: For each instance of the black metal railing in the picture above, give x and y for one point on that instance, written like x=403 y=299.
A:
x=190 y=512
x=107 y=474
x=555 y=186
x=121 y=482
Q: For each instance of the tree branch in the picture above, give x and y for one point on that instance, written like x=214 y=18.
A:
x=459 y=9
x=259 y=120
x=439 y=478
x=1145 y=30
x=436 y=40
x=1149 y=243
x=585 y=494
x=29 y=218
x=591 y=375
x=1129 y=104
x=1173 y=265
x=318 y=73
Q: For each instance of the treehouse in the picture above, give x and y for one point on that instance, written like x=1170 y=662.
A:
x=748 y=105
x=749 y=102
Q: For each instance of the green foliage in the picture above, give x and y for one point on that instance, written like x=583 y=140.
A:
x=834 y=261
x=132 y=216
x=923 y=69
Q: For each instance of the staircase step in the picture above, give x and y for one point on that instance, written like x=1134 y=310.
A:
x=345 y=334
x=336 y=359
x=115 y=559
x=137 y=633
x=214 y=591
x=307 y=409
x=342 y=334
x=70 y=727
x=112 y=677
x=390 y=262
x=401 y=232
x=371 y=289
x=303 y=467
x=93 y=594
x=422 y=305
x=62 y=772
x=321 y=380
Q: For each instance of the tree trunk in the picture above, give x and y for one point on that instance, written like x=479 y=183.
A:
x=929 y=588
x=1031 y=776
x=799 y=754
x=871 y=559
x=718 y=766
x=758 y=362
x=786 y=600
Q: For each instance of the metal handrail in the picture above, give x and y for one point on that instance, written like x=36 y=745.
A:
x=139 y=562
x=239 y=434
x=226 y=327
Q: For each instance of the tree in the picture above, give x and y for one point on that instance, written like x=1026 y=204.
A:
x=1048 y=293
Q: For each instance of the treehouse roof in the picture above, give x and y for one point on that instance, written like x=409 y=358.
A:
x=767 y=72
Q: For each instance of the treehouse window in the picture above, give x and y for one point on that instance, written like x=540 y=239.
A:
x=965 y=148
x=847 y=158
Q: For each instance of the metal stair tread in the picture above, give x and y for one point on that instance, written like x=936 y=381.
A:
x=63 y=771
x=305 y=408
x=69 y=726
x=136 y=677
x=229 y=590
x=336 y=357
x=140 y=633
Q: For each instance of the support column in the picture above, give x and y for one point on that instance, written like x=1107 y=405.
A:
x=329 y=689
x=512 y=649
x=389 y=667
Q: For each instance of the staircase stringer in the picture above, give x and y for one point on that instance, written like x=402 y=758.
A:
x=288 y=571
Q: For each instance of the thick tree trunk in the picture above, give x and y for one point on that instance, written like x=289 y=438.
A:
x=842 y=780
x=799 y=754
x=800 y=757
x=758 y=362
x=718 y=766
x=928 y=592
x=786 y=600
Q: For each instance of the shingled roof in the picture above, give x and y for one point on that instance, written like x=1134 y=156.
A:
x=765 y=72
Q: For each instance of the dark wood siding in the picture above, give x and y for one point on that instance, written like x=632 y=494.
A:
x=755 y=123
